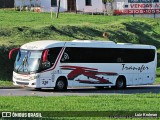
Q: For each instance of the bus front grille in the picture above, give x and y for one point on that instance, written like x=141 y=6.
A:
x=22 y=83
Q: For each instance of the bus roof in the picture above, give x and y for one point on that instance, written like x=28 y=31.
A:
x=45 y=44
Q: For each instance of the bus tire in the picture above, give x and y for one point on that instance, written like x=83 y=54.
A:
x=61 y=84
x=121 y=82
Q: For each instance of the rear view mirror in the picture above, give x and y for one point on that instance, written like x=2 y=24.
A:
x=45 y=54
x=12 y=51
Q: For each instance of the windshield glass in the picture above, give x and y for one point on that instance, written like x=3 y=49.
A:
x=27 y=61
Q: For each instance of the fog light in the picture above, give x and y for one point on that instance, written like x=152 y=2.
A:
x=33 y=83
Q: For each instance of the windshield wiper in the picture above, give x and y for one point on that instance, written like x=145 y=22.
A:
x=24 y=64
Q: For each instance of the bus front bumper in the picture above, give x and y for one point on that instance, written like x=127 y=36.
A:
x=31 y=84
x=25 y=81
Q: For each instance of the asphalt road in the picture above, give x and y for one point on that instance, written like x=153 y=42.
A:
x=80 y=91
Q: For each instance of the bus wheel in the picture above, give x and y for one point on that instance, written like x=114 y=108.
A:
x=61 y=85
x=121 y=83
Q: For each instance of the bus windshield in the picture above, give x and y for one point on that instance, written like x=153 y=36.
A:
x=27 y=61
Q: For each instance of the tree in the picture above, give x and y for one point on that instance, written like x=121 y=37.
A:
x=75 y=6
x=109 y=11
x=59 y=3
x=22 y=4
x=110 y=1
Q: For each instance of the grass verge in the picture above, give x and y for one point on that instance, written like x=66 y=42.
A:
x=6 y=83
x=17 y=28
x=21 y=27
x=134 y=103
x=137 y=102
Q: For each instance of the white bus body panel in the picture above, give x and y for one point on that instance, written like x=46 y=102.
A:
x=135 y=73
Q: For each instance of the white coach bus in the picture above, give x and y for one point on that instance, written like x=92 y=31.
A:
x=57 y=64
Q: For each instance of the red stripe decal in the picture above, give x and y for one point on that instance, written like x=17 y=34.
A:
x=88 y=72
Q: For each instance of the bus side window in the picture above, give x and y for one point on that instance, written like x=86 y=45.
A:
x=120 y=60
x=65 y=57
x=53 y=54
x=51 y=58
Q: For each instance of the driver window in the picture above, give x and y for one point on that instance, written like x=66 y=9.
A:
x=51 y=58
x=53 y=54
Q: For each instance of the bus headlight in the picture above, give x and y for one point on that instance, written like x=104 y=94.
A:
x=14 y=76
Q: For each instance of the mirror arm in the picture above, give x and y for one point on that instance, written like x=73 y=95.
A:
x=11 y=52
